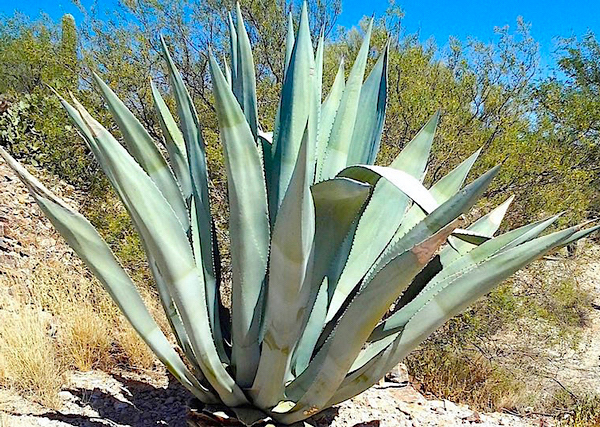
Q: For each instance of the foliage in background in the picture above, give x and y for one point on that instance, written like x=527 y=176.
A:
x=570 y=102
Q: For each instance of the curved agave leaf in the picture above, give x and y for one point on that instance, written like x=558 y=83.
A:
x=398 y=320
x=164 y=293
x=441 y=192
x=244 y=82
x=95 y=253
x=167 y=243
x=388 y=205
x=338 y=144
x=174 y=142
x=205 y=245
x=459 y=204
x=294 y=109
x=233 y=43
x=401 y=180
x=143 y=149
x=450 y=301
x=227 y=72
x=369 y=124
x=338 y=202
x=328 y=112
x=289 y=285
x=248 y=225
x=329 y=367
x=413 y=158
x=484 y=227
x=289 y=43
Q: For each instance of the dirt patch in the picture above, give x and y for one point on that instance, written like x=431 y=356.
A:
x=129 y=399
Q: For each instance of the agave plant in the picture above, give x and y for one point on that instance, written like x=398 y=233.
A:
x=323 y=243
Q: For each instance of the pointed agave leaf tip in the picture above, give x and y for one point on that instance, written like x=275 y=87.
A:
x=489 y=175
x=304 y=12
x=55 y=92
x=239 y=16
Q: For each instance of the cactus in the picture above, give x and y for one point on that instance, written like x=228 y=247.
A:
x=323 y=243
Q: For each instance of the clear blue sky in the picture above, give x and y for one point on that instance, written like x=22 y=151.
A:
x=432 y=18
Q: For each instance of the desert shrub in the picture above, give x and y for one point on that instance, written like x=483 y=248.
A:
x=496 y=354
x=577 y=412
x=449 y=370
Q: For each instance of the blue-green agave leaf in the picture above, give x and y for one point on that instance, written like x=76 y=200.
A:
x=142 y=147
x=227 y=72
x=440 y=192
x=369 y=123
x=233 y=43
x=244 y=83
x=451 y=300
x=289 y=43
x=294 y=109
x=338 y=202
x=338 y=145
x=329 y=110
x=202 y=223
x=457 y=205
x=167 y=243
x=248 y=227
x=513 y=238
x=413 y=158
x=173 y=142
x=391 y=197
x=289 y=283
x=483 y=228
x=329 y=367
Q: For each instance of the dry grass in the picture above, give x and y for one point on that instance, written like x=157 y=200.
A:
x=85 y=341
x=61 y=319
x=28 y=357
x=136 y=353
x=469 y=379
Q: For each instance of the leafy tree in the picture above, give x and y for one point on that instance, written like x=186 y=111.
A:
x=34 y=57
x=569 y=103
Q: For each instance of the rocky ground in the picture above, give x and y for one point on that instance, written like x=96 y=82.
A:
x=124 y=398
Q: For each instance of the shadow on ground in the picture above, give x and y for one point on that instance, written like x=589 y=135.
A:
x=147 y=406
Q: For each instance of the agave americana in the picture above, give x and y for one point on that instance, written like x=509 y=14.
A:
x=323 y=243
